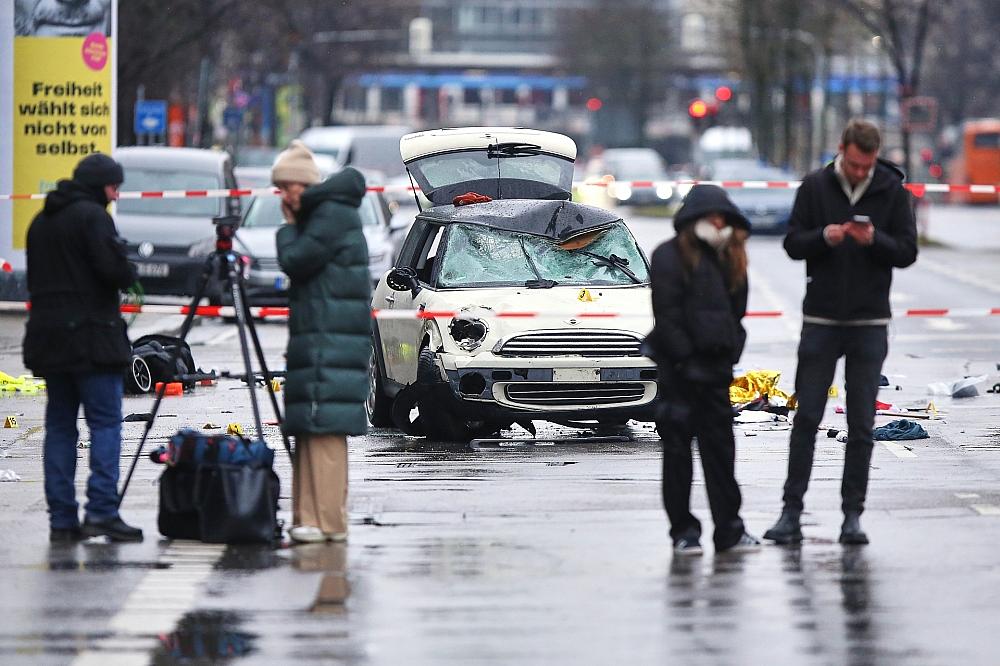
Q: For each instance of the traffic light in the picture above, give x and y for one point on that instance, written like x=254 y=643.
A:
x=723 y=93
x=698 y=109
x=594 y=104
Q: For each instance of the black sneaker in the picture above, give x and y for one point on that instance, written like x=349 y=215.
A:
x=687 y=546
x=115 y=529
x=747 y=544
x=65 y=535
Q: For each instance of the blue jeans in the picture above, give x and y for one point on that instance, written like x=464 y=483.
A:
x=101 y=396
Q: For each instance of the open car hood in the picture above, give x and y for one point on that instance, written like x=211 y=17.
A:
x=499 y=162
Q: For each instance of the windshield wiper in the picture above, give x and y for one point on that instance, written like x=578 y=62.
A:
x=539 y=282
x=615 y=261
x=512 y=149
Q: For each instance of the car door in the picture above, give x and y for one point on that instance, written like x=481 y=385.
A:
x=400 y=336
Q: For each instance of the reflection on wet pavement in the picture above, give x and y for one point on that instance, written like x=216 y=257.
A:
x=331 y=560
x=204 y=637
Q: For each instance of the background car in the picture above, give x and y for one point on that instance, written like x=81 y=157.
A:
x=626 y=165
x=166 y=237
x=768 y=209
x=255 y=238
x=519 y=245
x=366 y=147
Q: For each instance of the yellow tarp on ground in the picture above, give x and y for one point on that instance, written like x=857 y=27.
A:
x=756 y=384
x=24 y=384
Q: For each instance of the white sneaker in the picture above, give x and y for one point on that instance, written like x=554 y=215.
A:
x=336 y=536
x=307 y=534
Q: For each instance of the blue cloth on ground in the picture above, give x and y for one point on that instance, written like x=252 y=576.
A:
x=898 y=430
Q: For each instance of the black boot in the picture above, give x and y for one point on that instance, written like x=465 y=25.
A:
x=851 y=532
x=787 y=530
x=115 y=529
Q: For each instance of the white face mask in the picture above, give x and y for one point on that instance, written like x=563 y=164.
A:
x=707 y=232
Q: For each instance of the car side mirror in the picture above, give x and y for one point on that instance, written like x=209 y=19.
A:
x=403 y=278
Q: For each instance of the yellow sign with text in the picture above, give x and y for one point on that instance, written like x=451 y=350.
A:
x=63 y=111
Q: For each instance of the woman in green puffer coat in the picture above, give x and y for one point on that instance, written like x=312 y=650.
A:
x=322 y=249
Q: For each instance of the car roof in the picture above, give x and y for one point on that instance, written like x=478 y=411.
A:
x=198 y=159
x=450 y=139
x=558 y=220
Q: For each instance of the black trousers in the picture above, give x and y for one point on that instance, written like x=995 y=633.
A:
x=864 y=348
x=702 y=412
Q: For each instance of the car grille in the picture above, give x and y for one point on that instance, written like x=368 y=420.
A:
x=572 y=343
x=267 y=263
x=574 y=393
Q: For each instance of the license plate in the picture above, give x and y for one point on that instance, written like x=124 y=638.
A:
x=152 y=270
x=576 y=374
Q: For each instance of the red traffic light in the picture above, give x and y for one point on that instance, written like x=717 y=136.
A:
x=698 y=109
x=594 y=104
x=723 y=93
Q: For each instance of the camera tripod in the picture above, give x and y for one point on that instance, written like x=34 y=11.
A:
x=225 y=265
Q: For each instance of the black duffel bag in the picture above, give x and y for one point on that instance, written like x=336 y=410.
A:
x=218 y=489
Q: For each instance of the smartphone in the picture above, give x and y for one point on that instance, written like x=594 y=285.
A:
x=861 y=219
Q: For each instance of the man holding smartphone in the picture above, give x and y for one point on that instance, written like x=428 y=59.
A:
x=852 y=223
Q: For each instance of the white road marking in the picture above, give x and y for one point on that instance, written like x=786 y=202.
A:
x=944 y=324
x=959 y=275
x=966 y=495
x=227 y=334
x=986 y=509
x=771 y=296
x=899 y=450
x=160 y=599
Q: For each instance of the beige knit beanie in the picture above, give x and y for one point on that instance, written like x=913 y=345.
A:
x=295 y=165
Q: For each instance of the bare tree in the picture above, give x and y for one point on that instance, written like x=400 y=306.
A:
x=626 y=60
x=904 y=26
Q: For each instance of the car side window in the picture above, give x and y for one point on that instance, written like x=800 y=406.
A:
x=414 y=243
x=427 y=261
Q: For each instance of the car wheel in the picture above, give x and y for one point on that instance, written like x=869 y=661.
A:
x=138 y=378
x=379 y=405
x=437 y=423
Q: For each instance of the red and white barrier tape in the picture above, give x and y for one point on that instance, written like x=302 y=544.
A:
x=282 y=312
x=918 y=189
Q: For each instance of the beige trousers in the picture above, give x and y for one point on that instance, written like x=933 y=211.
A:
x=319 y=483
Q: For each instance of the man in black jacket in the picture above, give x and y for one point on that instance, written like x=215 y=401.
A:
x=852 y=223
x=75 y=338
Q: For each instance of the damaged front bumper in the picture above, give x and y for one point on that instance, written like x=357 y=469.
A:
x=573 y=388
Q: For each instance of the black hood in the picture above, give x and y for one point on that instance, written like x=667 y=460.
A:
x=69 y=192
x=705 y=199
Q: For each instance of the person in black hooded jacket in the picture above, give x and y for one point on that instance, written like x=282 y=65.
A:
x=699 y=285
x=75 y=338
x=852 y=223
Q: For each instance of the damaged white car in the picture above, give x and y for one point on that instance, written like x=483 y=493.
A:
x=508 y=303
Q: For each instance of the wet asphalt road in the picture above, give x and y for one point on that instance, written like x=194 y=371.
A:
x=555 y=553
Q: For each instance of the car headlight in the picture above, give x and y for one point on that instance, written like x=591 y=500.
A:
x=664 y=191
x=621 y=191
x=468 y=331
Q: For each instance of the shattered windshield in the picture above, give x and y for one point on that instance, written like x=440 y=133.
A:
x=481 y=256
